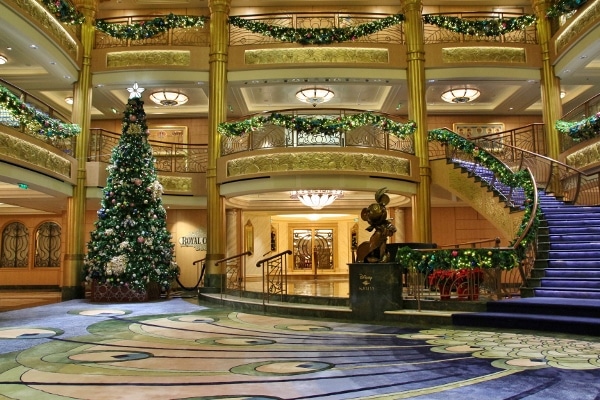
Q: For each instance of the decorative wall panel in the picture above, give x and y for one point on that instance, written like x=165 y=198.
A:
x=483 y=55
x=148 y=58
x=313 y=55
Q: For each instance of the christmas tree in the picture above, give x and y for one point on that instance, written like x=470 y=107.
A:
x=130 y=244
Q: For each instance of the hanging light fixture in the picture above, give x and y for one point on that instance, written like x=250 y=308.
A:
x=460 y=96
x=316 y=199
x=315 y=96
x=168 y=98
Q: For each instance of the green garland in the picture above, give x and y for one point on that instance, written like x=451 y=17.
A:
x=148 y=29
x=489 y=27
x=504 y=174
x=588 y=128
x=35 y=120
x=316 y=36
x=456 y=259
x=564 y=7
x=327 y=126
x=64 y=12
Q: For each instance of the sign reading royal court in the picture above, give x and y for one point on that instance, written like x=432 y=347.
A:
x=196 y=239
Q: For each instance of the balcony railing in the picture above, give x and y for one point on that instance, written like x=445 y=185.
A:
x=66 y=145
x=314 y=20
x=435 y=34
x=170 y=157
x=275 y=136
x=196 y=36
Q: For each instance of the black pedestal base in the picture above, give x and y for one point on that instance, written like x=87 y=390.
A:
x=375 y=288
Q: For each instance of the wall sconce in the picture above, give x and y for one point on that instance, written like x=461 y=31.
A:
x=249 y=237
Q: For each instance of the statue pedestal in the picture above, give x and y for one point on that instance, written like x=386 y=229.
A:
x=375 y=288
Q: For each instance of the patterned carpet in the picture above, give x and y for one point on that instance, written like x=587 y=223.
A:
x=175 y=349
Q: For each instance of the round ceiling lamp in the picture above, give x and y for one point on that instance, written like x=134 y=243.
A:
x=69 y=100
x=460 y=96
x=168 y=98
x=316 y=199
x=315 y=96
x=3 y=60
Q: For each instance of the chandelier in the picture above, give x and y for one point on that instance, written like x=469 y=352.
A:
x=167 y=98
x=316 y=199
x=315 y=96
x=460 y=96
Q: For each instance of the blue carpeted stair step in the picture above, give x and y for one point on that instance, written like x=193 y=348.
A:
x=579 y=263
x=571 y=273
x=569 y=293
x=560 y=323
x=583 y=246
x=572 y=230
x=572 y=283
x=573 y=254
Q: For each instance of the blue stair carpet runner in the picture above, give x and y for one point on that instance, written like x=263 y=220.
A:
x=565 y=281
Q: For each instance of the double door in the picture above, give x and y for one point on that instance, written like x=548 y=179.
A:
x=313 y=249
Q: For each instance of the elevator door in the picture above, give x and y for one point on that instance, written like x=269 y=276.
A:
x=313 y=249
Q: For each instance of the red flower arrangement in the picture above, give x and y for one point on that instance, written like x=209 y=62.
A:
x=441 y=277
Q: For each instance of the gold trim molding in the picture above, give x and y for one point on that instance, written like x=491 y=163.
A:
x=38 y=13
x=22 y=150
x=145 y=58
x=580 y=23
x=585 y=157
x=347 y=55
x=321 y=161
x=483 y=54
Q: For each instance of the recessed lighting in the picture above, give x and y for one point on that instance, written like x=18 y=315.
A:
x=3 y=60
x=69 y=100
x=33 y=46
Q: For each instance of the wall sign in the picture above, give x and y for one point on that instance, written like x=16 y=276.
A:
x=196 y=239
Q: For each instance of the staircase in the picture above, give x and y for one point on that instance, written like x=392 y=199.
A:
x=563 y=293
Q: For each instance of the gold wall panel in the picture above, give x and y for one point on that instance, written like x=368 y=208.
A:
x=580 y=23
x=20 y=149
x=312 y=55
x=175 y=183
x=483 y=55
x=181 y=58
x=585 y=157
x=326 y=161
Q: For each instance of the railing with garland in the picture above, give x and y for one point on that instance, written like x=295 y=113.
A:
x=306 y=128
x=28 y=114
x=132 y=31
x=311 y=28
x=495 y=27
x=170 y=157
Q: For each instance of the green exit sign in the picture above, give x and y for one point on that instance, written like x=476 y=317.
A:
x=23 y=186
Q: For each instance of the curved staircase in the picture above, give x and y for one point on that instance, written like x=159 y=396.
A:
x=563 y=293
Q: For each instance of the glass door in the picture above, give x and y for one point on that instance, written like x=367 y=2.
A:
x=312 y=249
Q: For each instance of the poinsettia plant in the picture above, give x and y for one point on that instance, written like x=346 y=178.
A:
x=441 y=277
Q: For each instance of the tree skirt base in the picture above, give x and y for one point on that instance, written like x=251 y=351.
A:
x=103 y=293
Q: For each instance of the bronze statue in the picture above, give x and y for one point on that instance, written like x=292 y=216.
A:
x=374 y=251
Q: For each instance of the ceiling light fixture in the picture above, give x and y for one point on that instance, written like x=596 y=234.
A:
x=168 y=98
x=460 y=96
x=69 y=100
x=3 y=60
x=315 y=96
x=563 y=94
x=316 y=199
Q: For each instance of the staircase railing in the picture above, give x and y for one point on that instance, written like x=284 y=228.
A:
x=231 y=269
x=201 y=267
x=565 y=182
x=274 y=275
x=520 y=191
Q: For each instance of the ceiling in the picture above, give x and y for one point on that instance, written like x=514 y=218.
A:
x=46 y=73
